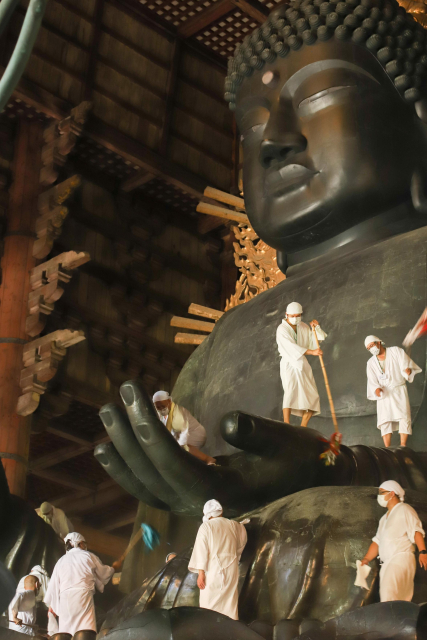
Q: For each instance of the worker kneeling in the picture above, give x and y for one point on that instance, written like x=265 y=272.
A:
x=189 y=433
x=72 y=585
x=216 y=554
x=399 y=530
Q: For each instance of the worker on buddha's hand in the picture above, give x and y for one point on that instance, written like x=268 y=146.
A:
x=295 y=340
x=216 y=554
x=189 y=433
x=387 y=372
x=72 y=586
x=56 y=518
x=22 y=609
x=399 y=530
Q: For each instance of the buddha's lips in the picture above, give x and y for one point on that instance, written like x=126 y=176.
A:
x=288 y=177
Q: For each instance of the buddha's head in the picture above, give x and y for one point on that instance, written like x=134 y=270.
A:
x=329 y=102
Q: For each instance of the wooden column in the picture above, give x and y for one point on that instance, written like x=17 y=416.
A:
x=16 y=263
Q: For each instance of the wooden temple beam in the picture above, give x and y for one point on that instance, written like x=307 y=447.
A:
x=73 y=9
x=122 y=520
x=62 y=478
x=92 y=317
x=190 y=338
x=80 y=503
x=253 y=8
x=102 y=542
x=58 y=456
x=205 y=312
x=170 y=97
x=92 y=59
x=147 y=159
x=204 y=18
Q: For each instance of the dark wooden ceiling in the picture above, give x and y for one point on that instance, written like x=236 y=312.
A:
x=159 y=132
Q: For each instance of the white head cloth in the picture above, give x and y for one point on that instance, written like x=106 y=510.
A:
x=212 y=509
x=294 y=307
x=75 y=539
x=370 y=339
x=38 y=569
x=392 y=485
x=159 y=396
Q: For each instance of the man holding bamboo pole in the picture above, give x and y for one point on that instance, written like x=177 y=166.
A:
x=295 y=340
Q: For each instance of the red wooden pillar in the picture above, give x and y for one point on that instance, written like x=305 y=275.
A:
x=16 y=263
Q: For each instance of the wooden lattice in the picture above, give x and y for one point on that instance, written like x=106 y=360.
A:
x=177 y=11
x=223 y=35
x=103 y=159
x=170 y=196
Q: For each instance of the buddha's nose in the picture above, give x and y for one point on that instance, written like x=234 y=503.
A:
x=273 y=151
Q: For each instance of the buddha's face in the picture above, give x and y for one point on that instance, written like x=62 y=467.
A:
x=327 y=143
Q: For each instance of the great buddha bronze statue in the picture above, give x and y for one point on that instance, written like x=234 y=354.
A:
x=329 y=98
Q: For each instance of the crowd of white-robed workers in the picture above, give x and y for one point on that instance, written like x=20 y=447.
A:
x=387 y=370
x=68 y=594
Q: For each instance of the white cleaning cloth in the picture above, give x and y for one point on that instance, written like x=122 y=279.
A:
x=363 y=572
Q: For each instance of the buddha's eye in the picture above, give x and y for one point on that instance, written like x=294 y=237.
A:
x=253 y=129
x=323 y=99
x=254 y=120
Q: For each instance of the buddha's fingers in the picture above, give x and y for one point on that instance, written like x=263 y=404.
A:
x=115 y=466
x=123 y=437
x=193 y=480
x=289 y=456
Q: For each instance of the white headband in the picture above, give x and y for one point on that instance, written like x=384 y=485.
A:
x=212 y=509
x=159 y=396
x=392 y=485
x=294 y=307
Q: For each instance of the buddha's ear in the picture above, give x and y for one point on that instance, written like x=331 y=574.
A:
x=419 y=191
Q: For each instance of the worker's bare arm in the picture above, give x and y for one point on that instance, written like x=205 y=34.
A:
x=314 y=352
x=421 y=546
x=372 y=553
x=201 y=579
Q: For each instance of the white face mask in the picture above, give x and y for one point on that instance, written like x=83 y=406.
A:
x=164 y=411
x=374 y=350
x=296 y=320
x=382 y=501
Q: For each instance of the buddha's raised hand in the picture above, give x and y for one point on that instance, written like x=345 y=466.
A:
x=276 y=459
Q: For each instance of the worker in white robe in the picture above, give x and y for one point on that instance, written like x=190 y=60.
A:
x=387 y=372
x=56 y=518
x=295 y=341
x=22 y=609
x=399 y=532
x=72 y=586
x=216 y=554
x=184 y=427
x=43 y=578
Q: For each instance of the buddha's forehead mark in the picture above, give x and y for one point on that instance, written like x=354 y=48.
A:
x=291 y=85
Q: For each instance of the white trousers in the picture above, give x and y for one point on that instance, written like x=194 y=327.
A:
x=397 y=577
x=403 y=425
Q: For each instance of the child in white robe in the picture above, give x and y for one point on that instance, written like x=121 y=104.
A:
x=216 y=554
x=387 y=372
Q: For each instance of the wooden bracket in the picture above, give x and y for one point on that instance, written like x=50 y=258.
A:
x=60 y=138
x=45 y=280
x=196 y=325
x=41 y=360
x=52 y=215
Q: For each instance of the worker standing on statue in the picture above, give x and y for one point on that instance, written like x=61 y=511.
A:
x=399 y=531
x=184 y=427
x=216 y=554
x=72 y=586
x=295 y=340
x=387 y=372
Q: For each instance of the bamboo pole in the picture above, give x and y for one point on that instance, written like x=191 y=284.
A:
x=328 y=389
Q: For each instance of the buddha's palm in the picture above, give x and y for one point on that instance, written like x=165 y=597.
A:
x=275 y=460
